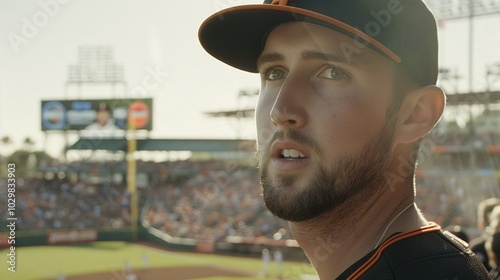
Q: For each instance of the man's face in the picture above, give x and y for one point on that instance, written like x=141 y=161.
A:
x=103 y=117
x=323 y=132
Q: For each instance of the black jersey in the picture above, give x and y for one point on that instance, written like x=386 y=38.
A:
x=426 y=253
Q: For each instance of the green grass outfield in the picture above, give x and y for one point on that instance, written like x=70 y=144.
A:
x=46 y=262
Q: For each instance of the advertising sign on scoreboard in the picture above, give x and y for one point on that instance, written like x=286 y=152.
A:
x=96 y=114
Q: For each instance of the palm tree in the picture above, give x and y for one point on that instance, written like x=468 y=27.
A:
x=5 y=141
x=28 y=144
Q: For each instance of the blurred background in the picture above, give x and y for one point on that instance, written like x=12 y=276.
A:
x=182 y=173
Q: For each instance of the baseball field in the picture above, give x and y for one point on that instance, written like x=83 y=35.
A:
x=122 y=260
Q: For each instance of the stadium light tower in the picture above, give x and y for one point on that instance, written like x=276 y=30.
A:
x=457 y=9
x=95 y=66
x=446 y=10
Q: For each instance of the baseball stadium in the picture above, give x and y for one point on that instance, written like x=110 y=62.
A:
x=111 y=180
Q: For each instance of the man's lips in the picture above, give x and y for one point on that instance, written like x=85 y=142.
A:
x=288 y=150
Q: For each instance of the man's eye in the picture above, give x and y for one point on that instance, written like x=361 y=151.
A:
x=333 y=73
x=274 y=74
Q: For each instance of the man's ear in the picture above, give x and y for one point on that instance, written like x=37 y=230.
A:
x=419 y=113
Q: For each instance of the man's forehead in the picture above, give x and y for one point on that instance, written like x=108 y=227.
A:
x=312 y=41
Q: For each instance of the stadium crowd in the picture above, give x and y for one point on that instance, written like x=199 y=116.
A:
x=206 y=200
x=221 y=199
x=58 y=203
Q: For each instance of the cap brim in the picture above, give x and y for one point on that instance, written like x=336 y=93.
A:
x=237 y=35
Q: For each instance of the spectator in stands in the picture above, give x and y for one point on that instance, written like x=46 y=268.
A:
x=493 y=249
x=477 y=245
x=492 y=243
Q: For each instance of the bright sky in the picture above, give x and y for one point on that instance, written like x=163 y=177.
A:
x=147 y=35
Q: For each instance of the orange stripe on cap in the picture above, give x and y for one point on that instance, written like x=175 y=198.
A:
x=378 y=254
x=280 y=2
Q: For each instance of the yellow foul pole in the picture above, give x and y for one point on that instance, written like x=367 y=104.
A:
x=131 y=175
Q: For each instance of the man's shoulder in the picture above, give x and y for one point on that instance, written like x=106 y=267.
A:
x=431 y=255
x=438 y=243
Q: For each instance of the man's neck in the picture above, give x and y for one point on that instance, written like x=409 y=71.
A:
x=336 y=240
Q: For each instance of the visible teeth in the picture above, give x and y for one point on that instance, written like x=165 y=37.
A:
x=291 y=153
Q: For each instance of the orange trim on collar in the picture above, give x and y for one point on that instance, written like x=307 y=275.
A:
x=398 y=237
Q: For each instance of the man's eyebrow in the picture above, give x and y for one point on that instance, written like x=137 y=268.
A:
x=269 y=57
x=326 y=57
x=306 y=55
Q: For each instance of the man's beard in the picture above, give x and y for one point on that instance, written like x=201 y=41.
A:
x=331 y=187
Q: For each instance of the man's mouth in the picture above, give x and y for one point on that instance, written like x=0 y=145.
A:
x=291 y=153
x=289 y=157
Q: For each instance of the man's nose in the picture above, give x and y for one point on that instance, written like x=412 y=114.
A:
x=289 y=109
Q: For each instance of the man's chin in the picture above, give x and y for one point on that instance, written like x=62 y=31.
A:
x=286 y=198
x=290 y=180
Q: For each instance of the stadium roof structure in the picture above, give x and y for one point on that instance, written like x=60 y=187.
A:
x=452 y=100
x=193 y=145
x=244 y=113
x=473 y=98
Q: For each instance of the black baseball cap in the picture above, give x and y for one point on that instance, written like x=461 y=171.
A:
x=403 y=30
